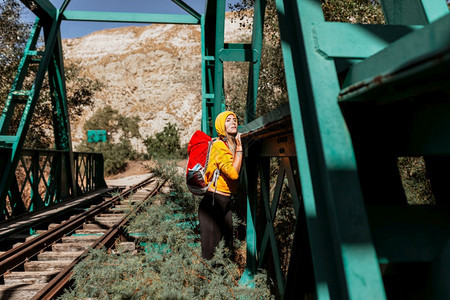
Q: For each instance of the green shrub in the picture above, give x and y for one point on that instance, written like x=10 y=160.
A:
x=165 y=144
x=117 y=150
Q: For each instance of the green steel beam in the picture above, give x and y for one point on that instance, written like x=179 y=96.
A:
x=412 y=47
x=208 y=22
x=43 y=9
x=413 y=12
x=268 y=228
x=212 y=67
x=241 y=55
x=97 y=16
x=206 y=80
x=64 y=6
x=218 y=65
x=188 y=9
x=344 y=259
x=61 y=120
x=344 y=40
x=259 y=10
x=10 y=104
x=11 y=162
x=251 y=182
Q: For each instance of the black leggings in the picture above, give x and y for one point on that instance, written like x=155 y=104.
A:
x=215 y=222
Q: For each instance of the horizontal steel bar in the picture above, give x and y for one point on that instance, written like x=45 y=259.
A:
x=412 y=80
x=97 y=16
x=356 y=41
x=208 y=96
x=414 y=46
x=241 y=55
x=10 y=139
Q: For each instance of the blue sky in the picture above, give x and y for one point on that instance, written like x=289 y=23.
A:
x=73 y=29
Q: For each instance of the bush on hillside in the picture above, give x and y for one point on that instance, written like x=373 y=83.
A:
x=166 y=143
x=117 y=150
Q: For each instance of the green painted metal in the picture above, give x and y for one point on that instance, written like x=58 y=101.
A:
x=43 y=9
x=97 y=16
x=215 y=51
x=16 y=95
x=188 y=9
x=345 y=262
x=89 y=171
x=207 y=87
x=269 y=231
x=61 y=122
x=20 y=135
x=412 y=47
x=253 y=73
x=344 y=40
x=238 y=52
x=250 y=179
x=219 y=97
x=413 y=12
x=40 y=180
x=95 y=136
x=60 y=179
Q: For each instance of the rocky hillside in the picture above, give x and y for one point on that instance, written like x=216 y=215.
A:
x=153 y=72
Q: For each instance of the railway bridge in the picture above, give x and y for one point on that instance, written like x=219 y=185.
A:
x=360 y=96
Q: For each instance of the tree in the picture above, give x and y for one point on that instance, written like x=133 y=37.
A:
x=117 y=150
x=116 y=124
x=13 y=39
x=165 y=144
x=353 y=11
x=80 y=93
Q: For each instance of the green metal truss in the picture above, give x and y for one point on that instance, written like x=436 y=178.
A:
x=11 y=140
x=340 y=78
x=215 y=52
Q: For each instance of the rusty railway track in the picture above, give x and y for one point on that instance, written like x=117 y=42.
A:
x=97 y=227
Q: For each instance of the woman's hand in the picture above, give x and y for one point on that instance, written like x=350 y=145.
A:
x=237 y=162
x=238 y=142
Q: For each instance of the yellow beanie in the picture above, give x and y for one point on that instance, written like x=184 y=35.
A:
x=220 y=122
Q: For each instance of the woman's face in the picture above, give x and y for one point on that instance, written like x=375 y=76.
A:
x=231 y=125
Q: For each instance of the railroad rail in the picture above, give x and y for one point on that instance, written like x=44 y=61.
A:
x=40 y=268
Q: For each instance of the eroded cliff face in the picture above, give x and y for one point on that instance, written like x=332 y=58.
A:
x=153 y=72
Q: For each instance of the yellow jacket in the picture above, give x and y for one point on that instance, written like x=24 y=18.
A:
x=220 y=157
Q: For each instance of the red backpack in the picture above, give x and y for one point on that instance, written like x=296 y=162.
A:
x=198 y=156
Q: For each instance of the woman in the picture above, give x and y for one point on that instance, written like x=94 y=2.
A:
x=215 y=211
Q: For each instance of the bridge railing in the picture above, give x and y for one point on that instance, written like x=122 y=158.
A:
x=274 y=213
x=89 y=171
x=42 y=179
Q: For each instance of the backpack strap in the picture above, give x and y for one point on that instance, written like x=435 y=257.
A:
x=216 y=171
